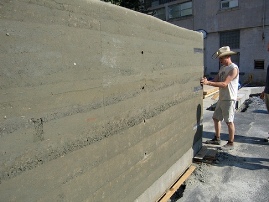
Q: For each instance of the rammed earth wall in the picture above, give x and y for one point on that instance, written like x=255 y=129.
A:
x=98 y=102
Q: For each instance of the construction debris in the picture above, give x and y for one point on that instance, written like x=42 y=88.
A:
x=206 y=155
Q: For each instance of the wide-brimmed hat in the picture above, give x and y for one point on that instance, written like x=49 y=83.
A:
x=223 y=51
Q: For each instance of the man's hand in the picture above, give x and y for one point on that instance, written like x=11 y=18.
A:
x=204 y=81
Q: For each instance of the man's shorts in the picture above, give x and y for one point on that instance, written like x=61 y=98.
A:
x=225 y=110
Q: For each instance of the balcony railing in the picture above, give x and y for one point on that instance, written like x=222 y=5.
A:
x=165 y=1
x=157 y=2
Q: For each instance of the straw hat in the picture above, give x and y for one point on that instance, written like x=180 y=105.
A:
x=223 y=51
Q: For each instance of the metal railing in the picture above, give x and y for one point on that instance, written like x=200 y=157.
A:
x=165 y=1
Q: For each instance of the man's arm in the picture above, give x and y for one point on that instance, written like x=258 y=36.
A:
x=221 y=84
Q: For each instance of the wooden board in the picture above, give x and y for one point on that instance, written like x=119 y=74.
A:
x=209 y=90
x=177 y=184
x=206 y=155
x=215 y=96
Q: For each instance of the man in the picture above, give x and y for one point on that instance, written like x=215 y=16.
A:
x=265 y=93
x=227 y=80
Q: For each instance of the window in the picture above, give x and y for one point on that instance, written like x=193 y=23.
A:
x=180 y=10
x=160 y=13
x=230 y=38
x=258 y=64
x=224 y=4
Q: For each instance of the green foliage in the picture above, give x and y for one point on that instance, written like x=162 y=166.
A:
x=117 y=2
x=131 y=4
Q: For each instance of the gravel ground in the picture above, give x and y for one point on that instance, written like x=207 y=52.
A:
x=238 y=175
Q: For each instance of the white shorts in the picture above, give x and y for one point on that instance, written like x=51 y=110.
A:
x=225 y=110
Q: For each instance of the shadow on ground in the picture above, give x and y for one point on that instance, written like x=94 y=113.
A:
x=237 y=138
x=227 y=159
x=260 y=111
x=250 y=163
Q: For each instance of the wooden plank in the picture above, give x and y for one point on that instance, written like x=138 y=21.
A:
x=177 y=184
x=215 y=96
x=201 y=154
x=210 y=94
x=206 y=155
x=211 y=154
x=209 y=89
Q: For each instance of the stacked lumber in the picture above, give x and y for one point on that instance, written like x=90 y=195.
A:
x=209 y=90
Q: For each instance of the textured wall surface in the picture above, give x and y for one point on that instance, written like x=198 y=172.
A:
x=97 y=102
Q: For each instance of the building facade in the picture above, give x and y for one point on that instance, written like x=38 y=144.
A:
x=241 y=24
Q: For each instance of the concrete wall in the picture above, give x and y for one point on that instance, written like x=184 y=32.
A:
x=98 y=103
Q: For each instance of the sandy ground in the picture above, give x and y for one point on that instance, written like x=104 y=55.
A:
x=238 y=175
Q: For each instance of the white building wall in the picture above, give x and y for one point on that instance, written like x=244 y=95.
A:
x=252 y=47
x=250 y=17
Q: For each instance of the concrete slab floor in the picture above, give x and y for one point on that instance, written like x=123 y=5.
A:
x=237 y=175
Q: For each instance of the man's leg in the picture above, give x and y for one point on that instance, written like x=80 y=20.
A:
x=217 y=115
x=216 y=140
x=231 y=130
x=229 y=110
x=217 y=126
